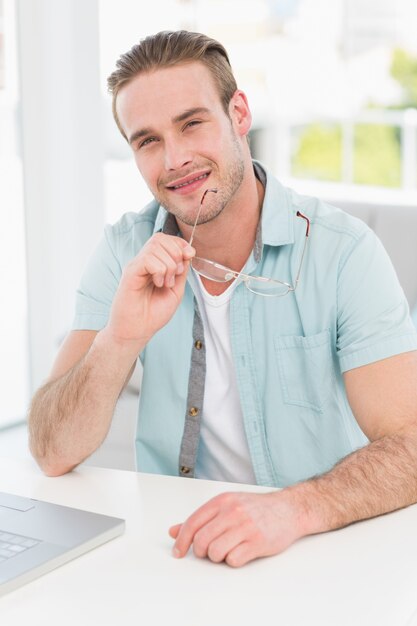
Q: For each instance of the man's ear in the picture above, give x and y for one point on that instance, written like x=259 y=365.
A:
x=240 y=113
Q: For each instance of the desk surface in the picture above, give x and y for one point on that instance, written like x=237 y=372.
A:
x=365 y=574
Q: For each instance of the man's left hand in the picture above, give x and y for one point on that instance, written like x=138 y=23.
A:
x=239 y=527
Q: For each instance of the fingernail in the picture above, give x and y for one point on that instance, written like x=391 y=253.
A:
x=180 y=268
x=175 y=553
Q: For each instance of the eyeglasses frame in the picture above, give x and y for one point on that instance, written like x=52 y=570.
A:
x=247 y=278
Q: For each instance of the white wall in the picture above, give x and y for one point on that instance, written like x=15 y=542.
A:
x=63 y=155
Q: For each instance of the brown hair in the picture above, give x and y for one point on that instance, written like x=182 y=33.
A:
x=169 y=48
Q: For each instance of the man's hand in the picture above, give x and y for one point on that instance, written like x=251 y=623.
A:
x=150 y=290
x=376 y=479
x=239 y=527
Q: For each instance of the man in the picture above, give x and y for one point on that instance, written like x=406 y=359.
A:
x=284 y=356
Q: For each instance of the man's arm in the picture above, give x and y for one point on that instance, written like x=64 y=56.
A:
x=71 y=414
x=376 y=479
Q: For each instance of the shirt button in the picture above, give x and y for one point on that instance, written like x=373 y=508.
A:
x=185 y=470
x=198 y=344
x=193 y=411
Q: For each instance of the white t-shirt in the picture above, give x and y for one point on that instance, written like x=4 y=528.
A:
x=223 y=452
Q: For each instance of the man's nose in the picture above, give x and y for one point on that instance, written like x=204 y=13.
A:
x=177 y=155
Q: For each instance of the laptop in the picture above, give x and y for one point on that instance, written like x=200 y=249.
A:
x=36 y=537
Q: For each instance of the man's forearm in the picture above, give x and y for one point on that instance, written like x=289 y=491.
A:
x=70 y=416
x=377 y=479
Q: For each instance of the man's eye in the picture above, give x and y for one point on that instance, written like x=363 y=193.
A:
x=147 y=141
x=192 y=123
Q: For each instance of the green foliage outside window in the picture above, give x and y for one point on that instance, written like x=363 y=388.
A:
x=318 y=153
x=404 y=70
x=377 y=155
x=376 y=147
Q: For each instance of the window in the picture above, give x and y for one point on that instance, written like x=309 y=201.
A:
x=351 y=116
x=331 y=84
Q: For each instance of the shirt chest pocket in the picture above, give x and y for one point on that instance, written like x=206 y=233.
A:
x=305 y=369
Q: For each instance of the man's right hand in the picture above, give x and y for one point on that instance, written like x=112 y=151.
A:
x=150 y=290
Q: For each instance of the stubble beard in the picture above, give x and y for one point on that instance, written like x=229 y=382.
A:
x=226 y=185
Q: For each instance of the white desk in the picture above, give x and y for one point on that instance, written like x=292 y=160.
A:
x=362 y=575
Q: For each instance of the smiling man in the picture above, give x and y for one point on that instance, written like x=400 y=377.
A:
x=277 y=349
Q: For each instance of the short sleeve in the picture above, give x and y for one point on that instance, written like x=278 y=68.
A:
x=373 y=315
x=97 y=287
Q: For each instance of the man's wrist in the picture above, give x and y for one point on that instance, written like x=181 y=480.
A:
x=305 y=508
x=118 y=348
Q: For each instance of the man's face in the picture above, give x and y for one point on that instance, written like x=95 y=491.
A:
x=182 y=139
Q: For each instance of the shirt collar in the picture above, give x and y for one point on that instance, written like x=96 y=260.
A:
x=277 y=223
x=276 y=226
x=165 y=222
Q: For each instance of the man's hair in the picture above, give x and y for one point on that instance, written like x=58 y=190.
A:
x=169 y=48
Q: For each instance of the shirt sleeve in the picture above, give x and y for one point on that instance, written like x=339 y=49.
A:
x=97 y=287
x=373 y=315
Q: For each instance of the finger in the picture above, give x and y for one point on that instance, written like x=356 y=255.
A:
x=174 y=530
x=180 y=281
x=225 y=543
x=177 y=247
x=161 y=267
x=187 y=250
x=211 y=532
x=189 y=528
x=161 y=259
x=243 y=553
x=173 y=254
x=171 y=257
x=155 y=269
x=180 y=269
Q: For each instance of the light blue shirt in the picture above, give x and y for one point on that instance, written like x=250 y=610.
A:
x=289 y=352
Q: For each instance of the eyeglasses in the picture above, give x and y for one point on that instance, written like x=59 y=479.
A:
x=259 y=285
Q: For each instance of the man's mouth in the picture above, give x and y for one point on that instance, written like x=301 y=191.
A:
x=189 y=181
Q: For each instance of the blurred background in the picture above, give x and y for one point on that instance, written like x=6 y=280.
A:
x=333 y=89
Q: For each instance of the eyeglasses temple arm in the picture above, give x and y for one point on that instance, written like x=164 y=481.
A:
x=297 y=278
x=198 y=214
